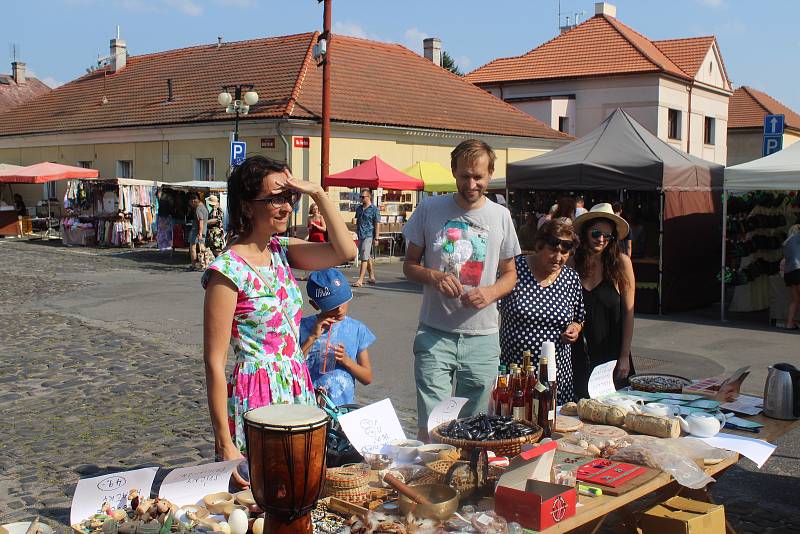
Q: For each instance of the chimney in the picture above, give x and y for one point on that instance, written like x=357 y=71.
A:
x=18 y=72
x=605 y=8
x=433 y=50
x=119 y=54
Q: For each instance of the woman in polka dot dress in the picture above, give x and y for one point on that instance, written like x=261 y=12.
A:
x=545 y=305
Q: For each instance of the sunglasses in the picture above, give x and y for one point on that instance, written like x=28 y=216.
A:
x=595 y=234
x=277 y=201
x=565 y=245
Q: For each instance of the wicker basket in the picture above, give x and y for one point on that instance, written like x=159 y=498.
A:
x=501 y=447
x=352 y=495
x=347 y=476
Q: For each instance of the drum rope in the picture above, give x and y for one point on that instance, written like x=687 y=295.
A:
x=288 y=454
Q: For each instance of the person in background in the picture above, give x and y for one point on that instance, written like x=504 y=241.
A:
x=253 y=304
x=565 y=211
x=316 y=225
x=608 y=293
x=368 y=228
x=546 y=304
x=19 y=206
x=332 y=332
x=547 y=217
x=197 y=236
x=527 y=232
x=580 y=209
x=625 y=243
x=461 y=248
x=791 y=273
x=215 y=239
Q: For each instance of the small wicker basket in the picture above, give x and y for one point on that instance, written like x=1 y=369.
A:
x=347 y=476
x=501 y=447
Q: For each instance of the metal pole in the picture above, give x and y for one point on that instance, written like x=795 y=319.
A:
x=237 y=103
x=326 y=93
x=724 y=254
x=660 y=249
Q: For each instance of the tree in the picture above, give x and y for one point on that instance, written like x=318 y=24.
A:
x=450 y=64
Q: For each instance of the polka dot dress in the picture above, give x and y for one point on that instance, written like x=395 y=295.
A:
x=532 y=314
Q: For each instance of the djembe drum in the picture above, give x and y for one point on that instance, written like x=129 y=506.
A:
x=286 y=446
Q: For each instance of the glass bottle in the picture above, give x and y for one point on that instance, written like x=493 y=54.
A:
x=518 y=395
x=502 y=394
x=543 y=400
x=530 y=390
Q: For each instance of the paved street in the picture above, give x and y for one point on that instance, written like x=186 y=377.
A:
x=101 y=367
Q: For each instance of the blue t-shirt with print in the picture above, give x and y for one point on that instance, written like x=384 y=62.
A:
x=366 y=219
x=355 y=336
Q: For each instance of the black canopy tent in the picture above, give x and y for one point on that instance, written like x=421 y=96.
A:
x=621 y=154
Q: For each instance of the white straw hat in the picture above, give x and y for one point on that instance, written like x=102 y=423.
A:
x=602 y=211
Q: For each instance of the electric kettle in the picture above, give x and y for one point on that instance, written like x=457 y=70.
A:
x=782 y=392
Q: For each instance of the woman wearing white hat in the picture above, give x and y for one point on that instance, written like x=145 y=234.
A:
x=215 y=238
x=608 y=294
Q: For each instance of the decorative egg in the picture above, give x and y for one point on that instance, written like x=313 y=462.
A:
x=258 y=526
x=238 y=521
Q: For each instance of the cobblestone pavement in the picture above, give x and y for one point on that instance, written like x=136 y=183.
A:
x=82 y=400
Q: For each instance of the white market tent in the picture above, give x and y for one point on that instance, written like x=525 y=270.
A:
x=777 y=172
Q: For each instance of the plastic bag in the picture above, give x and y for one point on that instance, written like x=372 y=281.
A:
x=674 y=456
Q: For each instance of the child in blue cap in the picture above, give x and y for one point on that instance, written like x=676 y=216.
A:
x=335 y=345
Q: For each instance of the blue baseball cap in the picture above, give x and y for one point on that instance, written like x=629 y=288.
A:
x=328 y=289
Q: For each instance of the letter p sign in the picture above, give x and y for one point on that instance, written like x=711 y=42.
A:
x=238 y=153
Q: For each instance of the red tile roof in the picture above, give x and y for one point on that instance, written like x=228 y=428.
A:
x=12 y=95
x=600 y=46
x=372 y=83
x=748 y=106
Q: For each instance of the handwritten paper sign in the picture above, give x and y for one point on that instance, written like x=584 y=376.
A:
x=601 y=383
x=445 y=411
x=188 y=485
x=92 y=493
x=372 y=426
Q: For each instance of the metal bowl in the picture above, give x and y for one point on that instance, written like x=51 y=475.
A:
x=444 y=499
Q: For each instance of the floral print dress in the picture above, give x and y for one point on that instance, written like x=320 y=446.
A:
x=269 y=365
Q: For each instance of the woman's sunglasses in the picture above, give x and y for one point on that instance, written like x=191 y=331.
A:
x=595 y=234
x=277 y=201
x=566 y=245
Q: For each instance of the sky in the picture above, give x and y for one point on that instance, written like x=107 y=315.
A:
x=60 y=39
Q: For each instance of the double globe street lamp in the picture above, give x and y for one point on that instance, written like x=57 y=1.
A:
x=237 y=103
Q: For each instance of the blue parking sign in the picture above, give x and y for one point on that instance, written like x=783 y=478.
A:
x=238 y=153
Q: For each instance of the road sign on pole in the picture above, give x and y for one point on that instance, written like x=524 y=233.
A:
x=238 y=152
x=773 y=134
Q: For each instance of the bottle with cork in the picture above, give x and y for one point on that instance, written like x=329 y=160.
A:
x=544 y=398
x=552 y=381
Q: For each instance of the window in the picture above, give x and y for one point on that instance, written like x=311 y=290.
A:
x=124 y=169
x=85 y=164
x=357 y=162
x=204 y=169
x=50 y=190
x=563 y=124
x=673 y=124
x=708 y=130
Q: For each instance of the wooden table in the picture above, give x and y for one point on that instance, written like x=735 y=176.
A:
x=589 y=517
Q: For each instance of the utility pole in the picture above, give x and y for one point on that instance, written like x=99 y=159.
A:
x=326 y=37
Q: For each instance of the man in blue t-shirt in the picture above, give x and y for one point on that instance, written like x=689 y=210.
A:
x=367 y=227
x=335 y=345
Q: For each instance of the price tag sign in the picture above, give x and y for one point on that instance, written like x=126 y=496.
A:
x=445 y=411
x=91 y=494
x=601 y=383
x=372 y=426
x=188 y=485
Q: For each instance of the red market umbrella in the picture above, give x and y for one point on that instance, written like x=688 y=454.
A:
x=373 y=174
x=45 y=172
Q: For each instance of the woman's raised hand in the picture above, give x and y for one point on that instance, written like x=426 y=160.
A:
x=288 y=182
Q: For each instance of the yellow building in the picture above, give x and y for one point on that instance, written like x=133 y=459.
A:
x=156 y=116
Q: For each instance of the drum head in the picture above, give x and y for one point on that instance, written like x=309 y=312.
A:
x=286 y=416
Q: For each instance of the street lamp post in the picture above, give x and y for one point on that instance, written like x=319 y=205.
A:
x=238 y=103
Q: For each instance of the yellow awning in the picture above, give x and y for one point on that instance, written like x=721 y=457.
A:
x=437 y=177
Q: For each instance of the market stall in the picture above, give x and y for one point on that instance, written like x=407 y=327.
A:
x=674 y=195
x=41 y=173
x=760 y=204
x=175 y=216
x=109 y=212
x=436 y=177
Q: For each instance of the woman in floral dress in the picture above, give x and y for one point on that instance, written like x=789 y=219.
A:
x=253 y=302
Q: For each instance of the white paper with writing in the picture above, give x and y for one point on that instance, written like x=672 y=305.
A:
x=92 y=493
x=446 y=411
x=188 y=485
x=745 y=404
x=757 y=450
x=601 y=383
x=372 y=426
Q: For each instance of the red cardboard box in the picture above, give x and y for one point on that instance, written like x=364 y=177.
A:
x=540 y=506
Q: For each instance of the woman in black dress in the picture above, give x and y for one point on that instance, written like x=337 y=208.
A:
x=545 y=305
x=608 y=292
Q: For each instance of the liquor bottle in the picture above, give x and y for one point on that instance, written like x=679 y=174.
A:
x=502 y=405
x=501 y=370
x=543 y=399
x=530 y=389
x=549 y=349
x=518 y=395
x=526 y=361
